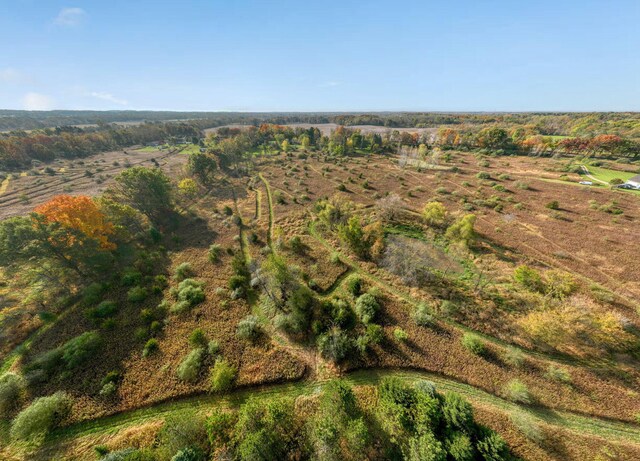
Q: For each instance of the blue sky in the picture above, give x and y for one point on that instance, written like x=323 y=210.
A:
x=458 y=55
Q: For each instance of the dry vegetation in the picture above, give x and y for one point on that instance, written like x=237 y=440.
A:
x=562 y=333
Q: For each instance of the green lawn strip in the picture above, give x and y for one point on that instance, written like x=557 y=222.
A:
x=206 y=402
x=606 y=174
x=270 y=203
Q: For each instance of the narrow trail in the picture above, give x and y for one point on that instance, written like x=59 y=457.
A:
x=306 y=355
x=5 y=184
x=270 y=204
x=599 y=427
x=590 y=176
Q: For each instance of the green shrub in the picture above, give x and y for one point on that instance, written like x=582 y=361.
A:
x=513 y=356
x=296 y=245
x=354 y=285
x=220 y=428
x=473 y=343
x=11 y=388
x=335 y=344
x=400 y=335
x=425 y=447
x=79 y=349
x=460 y=447
x=522 y=185
x=457 y=412
x=223 y=376
x=188 y=293
x=189 y=368
x=558 y=374
x=215 y=251
x=367 y=307
x=492 y=447
x=111 y=377
x=483 y=175
x=528 y=278
x=150 y=347
x=422 y=315
x=44 y=414
x=559 y=284
x=448 y=308
x=517 y=391
x=192 y=294
x=197 y=338
x=553 y=205
x=137 y=294
x=248 y=328
x=189 y=454
x=92 y=294
x=183 y=271
x=213 y=347
x=108 y=389
x=180 y=307
x=435 y=214
x=131 y=277
x=181 y=431
x=103 y=310
x=462 y=230
x=374 y=333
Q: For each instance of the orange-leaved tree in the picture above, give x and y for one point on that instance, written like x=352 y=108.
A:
x=79 y=213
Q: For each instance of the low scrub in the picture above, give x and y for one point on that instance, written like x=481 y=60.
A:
x=367 y=307
x=189 y=368
x=473 y=343
x=248 y=328
x=44 y=414
x=188 y=293
x=223 y=375
x=517 y=391
x=11 y=390
x=183 y=271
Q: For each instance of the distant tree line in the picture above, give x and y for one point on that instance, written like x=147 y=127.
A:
x=18 y=149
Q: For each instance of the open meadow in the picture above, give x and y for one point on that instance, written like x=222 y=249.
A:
x=276 y=268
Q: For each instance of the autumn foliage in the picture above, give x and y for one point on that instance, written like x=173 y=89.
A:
x=81 y=214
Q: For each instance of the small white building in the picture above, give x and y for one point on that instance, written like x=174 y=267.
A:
x=634 y=181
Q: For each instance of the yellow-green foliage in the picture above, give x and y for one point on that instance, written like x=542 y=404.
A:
x=577 y=325
x=434 y=213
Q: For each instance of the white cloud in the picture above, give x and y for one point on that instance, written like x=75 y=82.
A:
x=108 y=97
x=70 y=17
x=10 y=75
x=37 y=101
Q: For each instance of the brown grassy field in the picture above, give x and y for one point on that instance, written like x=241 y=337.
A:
x=89 y=176
x=580 y=236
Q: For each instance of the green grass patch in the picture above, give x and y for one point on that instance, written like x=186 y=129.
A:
x=407 y=230
x=606 y=174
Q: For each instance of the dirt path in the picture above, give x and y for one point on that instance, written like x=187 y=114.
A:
x=599 y=427
x=588 y=175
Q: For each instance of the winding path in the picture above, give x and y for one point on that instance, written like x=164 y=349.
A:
x=599 y=427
